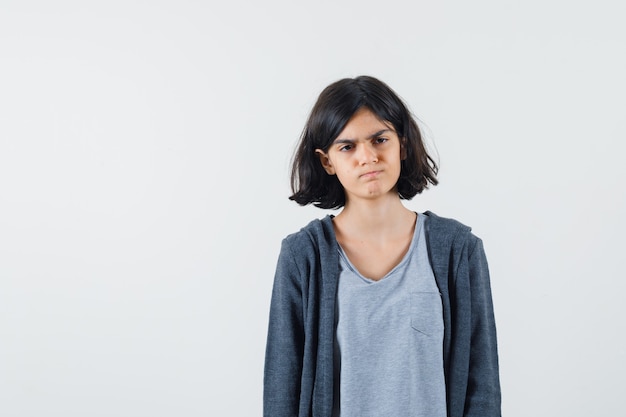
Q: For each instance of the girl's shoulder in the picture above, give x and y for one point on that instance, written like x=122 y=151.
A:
x=446 y=224
x=317 y=233
x=447 y=231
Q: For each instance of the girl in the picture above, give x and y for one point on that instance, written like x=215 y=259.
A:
x=378 y=311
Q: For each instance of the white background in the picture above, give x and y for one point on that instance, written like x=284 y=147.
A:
x=144 y=161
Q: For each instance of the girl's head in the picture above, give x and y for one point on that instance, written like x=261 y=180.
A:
x=335 y=106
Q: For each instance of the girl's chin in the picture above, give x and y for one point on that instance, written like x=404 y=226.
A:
x=373 y=193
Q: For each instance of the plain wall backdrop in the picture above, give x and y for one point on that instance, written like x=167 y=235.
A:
x=144 y=162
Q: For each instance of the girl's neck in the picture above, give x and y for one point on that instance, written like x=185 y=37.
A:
x=379 y=218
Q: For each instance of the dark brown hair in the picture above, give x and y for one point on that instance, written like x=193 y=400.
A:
x=335 y=106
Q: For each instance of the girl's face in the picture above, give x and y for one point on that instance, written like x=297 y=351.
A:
x=365 y=157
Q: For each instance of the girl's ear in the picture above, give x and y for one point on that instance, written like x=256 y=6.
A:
x=325 y=161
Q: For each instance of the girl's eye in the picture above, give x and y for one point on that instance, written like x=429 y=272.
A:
x=380 y=140
x=345 y=148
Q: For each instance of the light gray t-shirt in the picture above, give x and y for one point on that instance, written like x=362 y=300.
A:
x=389 y=339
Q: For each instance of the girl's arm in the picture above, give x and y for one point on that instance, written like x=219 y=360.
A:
x=285 y=340
x=483 y=389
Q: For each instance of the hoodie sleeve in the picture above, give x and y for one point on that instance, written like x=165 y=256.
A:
x=483 y=389
x=285 y=340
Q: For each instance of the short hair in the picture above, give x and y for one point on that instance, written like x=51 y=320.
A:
x=334 y=107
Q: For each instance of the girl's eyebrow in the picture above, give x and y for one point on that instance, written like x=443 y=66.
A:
x=372 y=136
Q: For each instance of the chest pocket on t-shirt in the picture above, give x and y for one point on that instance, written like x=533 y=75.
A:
x=426 y=312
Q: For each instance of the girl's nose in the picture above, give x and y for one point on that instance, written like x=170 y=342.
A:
x=367 y=155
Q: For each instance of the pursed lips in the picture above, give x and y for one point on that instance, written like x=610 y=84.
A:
x=370 y=174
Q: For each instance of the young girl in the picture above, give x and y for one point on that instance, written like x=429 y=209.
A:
x=378 y=311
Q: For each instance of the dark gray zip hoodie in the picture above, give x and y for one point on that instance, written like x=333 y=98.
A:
x=298 y=377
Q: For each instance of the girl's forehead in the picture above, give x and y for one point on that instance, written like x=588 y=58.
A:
x=365 y=121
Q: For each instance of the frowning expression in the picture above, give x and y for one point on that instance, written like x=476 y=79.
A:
x=365 y=156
